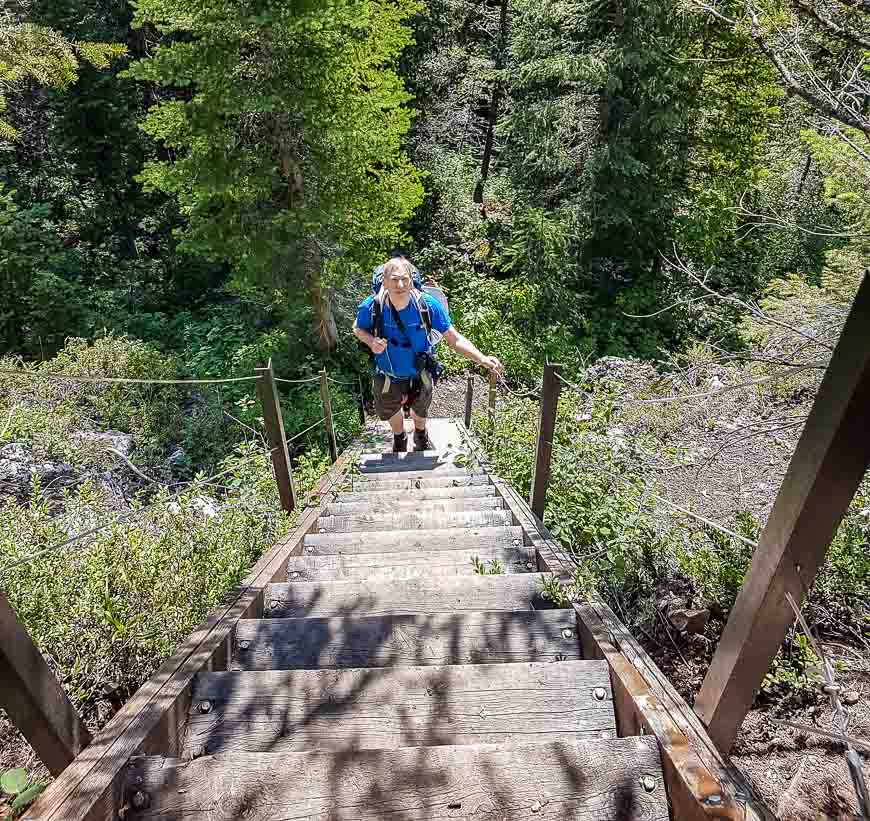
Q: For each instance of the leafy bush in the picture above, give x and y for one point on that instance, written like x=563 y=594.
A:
x=595 y=506
x=49 y=413
x=143 y=584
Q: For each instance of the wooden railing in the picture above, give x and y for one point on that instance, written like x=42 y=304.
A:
x=30 y=693
x=826 y=469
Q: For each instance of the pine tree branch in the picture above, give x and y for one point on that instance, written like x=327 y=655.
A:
x=830 y=26
x=794 y=88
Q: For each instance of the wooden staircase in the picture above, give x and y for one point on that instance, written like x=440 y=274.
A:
x=389 y=679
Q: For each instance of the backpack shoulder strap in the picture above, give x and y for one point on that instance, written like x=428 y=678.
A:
x=423 y=310
x=378 y=313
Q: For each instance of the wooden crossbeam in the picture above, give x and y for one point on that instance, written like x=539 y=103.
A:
x=827 y=467
x=34 y=699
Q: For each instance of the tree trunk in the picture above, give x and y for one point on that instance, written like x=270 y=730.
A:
x=495 y=102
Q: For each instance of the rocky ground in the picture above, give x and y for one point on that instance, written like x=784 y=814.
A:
x=723 y=450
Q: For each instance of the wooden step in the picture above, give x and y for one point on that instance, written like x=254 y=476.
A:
x=479 y=538
x=417 y=496
x=399 y=505
x=414 y=521
x=454 y=594
x=356 y=709
x=387 y=455
x=406 y=640
x=408 y=564
x=589 y=779
x=424 y=466
x=398 y=482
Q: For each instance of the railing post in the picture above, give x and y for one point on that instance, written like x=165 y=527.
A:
x=268 y=394
x=469 y=395
x=546 y=430
x=327 y=414
x=493 y=380
x=827 y=467
x=362 y=403
x=33 y=698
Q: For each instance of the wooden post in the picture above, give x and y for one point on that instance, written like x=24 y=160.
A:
x=327 y=413
x=493 y=380
x=274 y=423
x=469 y=395
x=546 y=430
x=828 y=465
x=33 y=698
x=362 y=403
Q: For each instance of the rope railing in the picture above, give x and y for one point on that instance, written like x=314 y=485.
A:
x=629 y=400
x=124 y=380
x=131 y=514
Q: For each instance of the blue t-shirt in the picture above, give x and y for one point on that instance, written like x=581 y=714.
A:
x=398 y=360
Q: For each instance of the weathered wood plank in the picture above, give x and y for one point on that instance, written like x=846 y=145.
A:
x=482 y=538
x=455 y=594
x=34 y=699
x=646 y=701
x=417 y=496
x=274 y=424
x=546 y=429
x=421 y=456
x=414 y=521
x=90 y=787
x=423 y=466
x=421 y=506
x=407 y=564
x=826 y=469
x=344 y=710
x=394 y=482
x=388 y=641
x=586 y=779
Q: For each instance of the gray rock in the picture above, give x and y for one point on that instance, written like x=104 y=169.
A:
x=851 y=697
x=206 y=506
x=692 y=621
x=122 y=442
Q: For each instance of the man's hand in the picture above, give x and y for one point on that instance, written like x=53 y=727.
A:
x=378 y=345
x=492 y=363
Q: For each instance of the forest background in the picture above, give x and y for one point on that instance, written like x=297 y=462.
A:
x=189 y=190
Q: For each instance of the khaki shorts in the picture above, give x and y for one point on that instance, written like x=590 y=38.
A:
x=389 y=404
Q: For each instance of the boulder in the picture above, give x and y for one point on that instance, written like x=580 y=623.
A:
x=122 y=442
x=692 y=621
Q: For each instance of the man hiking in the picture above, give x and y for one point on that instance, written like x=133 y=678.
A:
x=400 y=325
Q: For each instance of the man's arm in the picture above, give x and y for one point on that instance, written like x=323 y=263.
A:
x=376 y=344
x=465 y=347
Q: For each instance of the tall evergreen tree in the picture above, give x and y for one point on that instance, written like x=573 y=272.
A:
x=286 y=143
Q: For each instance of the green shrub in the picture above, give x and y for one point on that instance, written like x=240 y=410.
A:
x=49 y=413
x=106 y=612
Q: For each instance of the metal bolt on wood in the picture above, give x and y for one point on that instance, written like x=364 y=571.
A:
x=244 y=645
x=205 y=706
x=567 y=633
x=599 y=693
x=273 y=603
x=649 y=783
x=140 y=800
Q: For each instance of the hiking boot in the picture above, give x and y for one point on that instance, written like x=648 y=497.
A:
x=422 y=440
x=400 y=442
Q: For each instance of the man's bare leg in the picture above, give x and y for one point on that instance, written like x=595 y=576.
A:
x=419 y=421
x=397 y=423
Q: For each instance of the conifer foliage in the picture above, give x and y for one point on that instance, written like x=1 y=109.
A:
x=284 y=134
